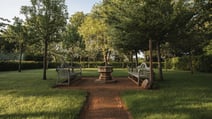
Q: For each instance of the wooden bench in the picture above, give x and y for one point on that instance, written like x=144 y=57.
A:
x=138 y=74
x=66 y=75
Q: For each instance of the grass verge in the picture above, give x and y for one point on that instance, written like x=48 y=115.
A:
x=25 y=96
x=181 y=96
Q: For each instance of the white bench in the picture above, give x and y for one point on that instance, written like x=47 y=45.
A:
x=138 y=74
x=68 y=74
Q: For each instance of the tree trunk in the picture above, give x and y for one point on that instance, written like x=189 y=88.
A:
x=105 y=59
x=88 y=62
x=105 y=56
x=159 y=61
x=190 y=63
x=131 y=57
x=150 y=64
x=20 y=58
x=45 y=58
x=131 y=61
x=166 y=64
x=72 y=56
x=108 y=56
x=136 y=58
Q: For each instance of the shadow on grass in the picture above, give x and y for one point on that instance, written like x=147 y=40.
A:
x=181 y=96
x=62 y=114
x=161 y=108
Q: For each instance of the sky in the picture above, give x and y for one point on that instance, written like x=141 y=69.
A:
x=11 y=8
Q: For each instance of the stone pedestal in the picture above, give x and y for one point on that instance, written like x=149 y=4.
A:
x=105 y=75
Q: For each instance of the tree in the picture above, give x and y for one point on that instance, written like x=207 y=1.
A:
x=3 y=24
x=18 y=34
x=48 y=19
x=72 y=38
x=152 y=23
x=94 y=32
x=123 y=20
x=189 y=33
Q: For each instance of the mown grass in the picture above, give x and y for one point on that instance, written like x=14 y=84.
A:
x=181 y=96
x=92 y=72
x=25 y=96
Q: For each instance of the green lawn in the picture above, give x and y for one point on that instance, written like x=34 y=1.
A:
x=117 y=72
x=25 y=96
x=181 y=96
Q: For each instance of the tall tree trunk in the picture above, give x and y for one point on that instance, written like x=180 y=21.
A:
x=45 y=58
x=88 y=62
x=72 y=56
x=136 y=58
x=131 y=61
x=150 y=64
x=159 y=61
x=131 y=58
x=166 y=64
x=105 y=56
x=20 y=57
x=190 y=63
x=105 y=59
x=108 y=56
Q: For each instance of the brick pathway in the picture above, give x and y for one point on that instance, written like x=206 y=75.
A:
x=104 y=99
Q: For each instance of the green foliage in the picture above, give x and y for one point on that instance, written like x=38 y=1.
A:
x=9 y=56
x=96 y=64
x=33 y=57
x=46 y=19
x=72 y=38
x=73 y=44
x=95 y=35
x=124 y=22
x=23 y=95
x=12 y=66
x=190 y=28
x=181 y=96
x=3 y=24
x=208 y=48
x=205 y=63
x=200 y=63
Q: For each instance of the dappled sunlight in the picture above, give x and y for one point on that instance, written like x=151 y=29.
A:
x=173 y=115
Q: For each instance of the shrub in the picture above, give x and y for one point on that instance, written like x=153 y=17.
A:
x=11 y=66
x=200 y=63
x=205 y=63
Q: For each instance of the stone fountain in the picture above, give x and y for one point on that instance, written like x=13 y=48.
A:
x=105 y=74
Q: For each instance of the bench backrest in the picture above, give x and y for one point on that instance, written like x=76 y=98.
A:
x=143 y=66
x=63 y=73
x=143 y=69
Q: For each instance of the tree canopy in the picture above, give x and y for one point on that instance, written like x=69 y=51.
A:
x=48 y=19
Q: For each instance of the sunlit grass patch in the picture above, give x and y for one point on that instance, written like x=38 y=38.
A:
x=93 y=72
x=181 y=96
x=26 y=95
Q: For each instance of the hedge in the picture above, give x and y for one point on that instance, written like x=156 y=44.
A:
x=201 y=63
x=12 y=66
x=9 y=66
